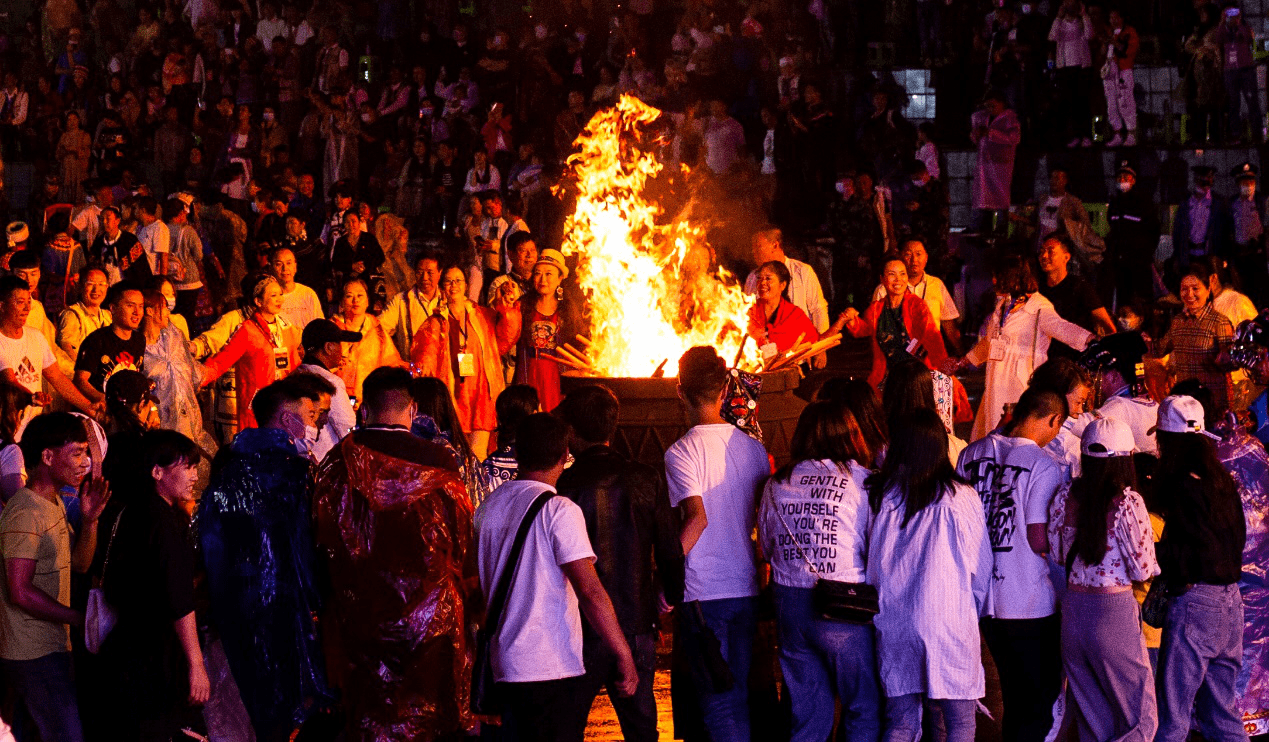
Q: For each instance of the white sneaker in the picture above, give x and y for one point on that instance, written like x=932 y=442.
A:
x=1116 y=141
x=1130 y=140
x=1086 y=142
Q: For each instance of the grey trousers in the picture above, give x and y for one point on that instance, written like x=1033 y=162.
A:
x=1107 y=667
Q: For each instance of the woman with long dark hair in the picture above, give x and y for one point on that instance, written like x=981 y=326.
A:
x=860 y=398
x=438 y=420
x=930 y=559
x=1100 y=529
x=909 y=386
x=823 y=661
x=1200 y=554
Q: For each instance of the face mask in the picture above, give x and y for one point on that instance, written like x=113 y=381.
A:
x=267 y=116
x=1125 y=324
x=1247 y=190
x=918 y=183
x=1200 y=191
x=171 y=304
x=365 y=118
x=255 y=207
x=1124 y=187
x=540 y=32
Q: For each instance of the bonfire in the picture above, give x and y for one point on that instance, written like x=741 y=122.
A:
x=646 y=275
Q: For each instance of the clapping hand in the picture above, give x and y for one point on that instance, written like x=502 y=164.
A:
x=94 y=493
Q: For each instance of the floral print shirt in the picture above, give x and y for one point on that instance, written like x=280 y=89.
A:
x=1129 y=540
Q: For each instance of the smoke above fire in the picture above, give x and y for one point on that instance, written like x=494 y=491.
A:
x=648 y=277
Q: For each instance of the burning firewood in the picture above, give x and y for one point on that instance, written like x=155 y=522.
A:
x=800 y=352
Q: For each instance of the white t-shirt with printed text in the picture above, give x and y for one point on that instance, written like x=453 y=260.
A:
x=28 y=356
x=1020 y=583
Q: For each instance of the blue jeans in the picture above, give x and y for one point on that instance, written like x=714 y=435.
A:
x=822 y=661
x=734 y=622
x=903 y=718
x=1199 y=659
x=47 y=689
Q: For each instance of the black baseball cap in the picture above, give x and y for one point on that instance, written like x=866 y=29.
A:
x=319 y=332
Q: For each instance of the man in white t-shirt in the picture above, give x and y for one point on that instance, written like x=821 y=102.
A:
x=1021 y=621
x=714 y=475
x=408 y=310
x=537 y=648
x=300 y=304
x=153 y=235
x=25 y=356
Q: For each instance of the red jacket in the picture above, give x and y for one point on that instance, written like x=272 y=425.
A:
x=919 y=323
x=258 y=362
x=790 y=322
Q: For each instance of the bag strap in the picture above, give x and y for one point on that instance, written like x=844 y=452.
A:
x=797 y=544
x=106 y=562
x=502 y=590
x=1035 y=336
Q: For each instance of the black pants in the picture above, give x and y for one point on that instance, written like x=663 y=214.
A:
x=546 y=711
x=1074 y=90
x=637 y=714
x=1252 y=272
x=1028 y=656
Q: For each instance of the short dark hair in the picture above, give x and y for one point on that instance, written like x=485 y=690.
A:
x=148 y=204
x=269 y=400
x=516 y=240
x=173 y=207
x=310 y=385
x=489 y=196
x=1060 y=375
x=1037 y=403
x=514 y=403
x=702 y=374
x=24 y=260
x=382 y=385
x=11 y=284
x=116 y=292
x=431 y=255
x=163 y=448
x=541 y=442
x=50 y=430
x=592 y=412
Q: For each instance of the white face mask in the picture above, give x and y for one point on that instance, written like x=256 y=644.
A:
x=918 y=183
x=171 y=304
x=1123 y=187
x=540 y=32
x=1200 y=191
x=267 y=116
x=365 y=117
x=1247 y=189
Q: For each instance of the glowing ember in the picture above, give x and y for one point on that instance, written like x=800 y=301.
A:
x=648 y=283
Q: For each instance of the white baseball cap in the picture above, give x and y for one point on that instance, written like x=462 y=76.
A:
x=1181 y=414
x=1106 y=437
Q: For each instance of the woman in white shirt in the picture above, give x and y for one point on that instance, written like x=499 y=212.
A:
x=1100 y=530
x=14 y=401
x=930 y=559
x=813 y=524
x=1235 y=306
x=1015 y=340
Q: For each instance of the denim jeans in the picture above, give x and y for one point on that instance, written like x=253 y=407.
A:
x=47 y=689
x=822 y=661
x=637 y=714
x=1199 y=660
x=734 y=622
x=903 y=718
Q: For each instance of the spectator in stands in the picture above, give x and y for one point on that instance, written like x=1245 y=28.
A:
x=1071 y=32
x=723 y=137
x=1128 y=265
x=81 y=319
x=996 y=133
x=1235 y=39
x=1204 y=86
x=922 y=212
x=1201 y=224
x=1062 y=212
x=1121 y=43
x=1073 y=297
x=1248 y=245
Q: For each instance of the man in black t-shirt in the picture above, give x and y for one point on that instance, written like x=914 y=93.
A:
x=115 y=347
x=1074 y=298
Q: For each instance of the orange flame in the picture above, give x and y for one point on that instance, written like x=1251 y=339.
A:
x=648 y=284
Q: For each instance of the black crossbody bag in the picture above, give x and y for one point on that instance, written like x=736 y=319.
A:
x=851 y=602
x=485 y=698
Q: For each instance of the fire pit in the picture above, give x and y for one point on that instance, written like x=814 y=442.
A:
x=652 y=417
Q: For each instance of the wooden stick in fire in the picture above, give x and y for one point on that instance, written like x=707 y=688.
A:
x=778 y=361
x=562 y=350
x=584 y=341
x=832 y=341
x=566 y=362
x=579 y=354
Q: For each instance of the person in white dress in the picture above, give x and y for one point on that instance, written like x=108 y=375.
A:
x=1015 y=340
x=930 y=559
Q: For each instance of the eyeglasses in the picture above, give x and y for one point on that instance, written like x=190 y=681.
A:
x=453 y=282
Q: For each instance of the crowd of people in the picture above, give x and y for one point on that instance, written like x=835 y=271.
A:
x=286 y=451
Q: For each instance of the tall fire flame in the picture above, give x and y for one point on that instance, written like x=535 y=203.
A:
x=651 y=292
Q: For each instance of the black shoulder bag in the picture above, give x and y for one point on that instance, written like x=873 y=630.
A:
x=851 y=602
x=484 y=696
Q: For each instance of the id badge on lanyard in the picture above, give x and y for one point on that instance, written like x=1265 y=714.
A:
x=281 y=361
x=466 y=364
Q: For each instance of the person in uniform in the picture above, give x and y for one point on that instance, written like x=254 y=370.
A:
x=1131 y=242
x=1201 y=225
x=1247 y=250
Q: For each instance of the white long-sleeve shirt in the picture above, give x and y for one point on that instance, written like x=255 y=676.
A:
x=342 y=418
x=1071 y=36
